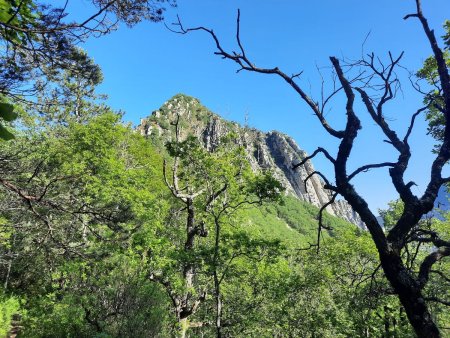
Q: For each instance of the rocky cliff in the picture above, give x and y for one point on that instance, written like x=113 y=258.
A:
x=266 y=151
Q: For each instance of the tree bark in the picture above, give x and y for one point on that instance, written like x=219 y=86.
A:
x=410 y=295
x=404 y=284
x=217 y=281
x=184 y=325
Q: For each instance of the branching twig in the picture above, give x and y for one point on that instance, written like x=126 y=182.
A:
x=307 y=158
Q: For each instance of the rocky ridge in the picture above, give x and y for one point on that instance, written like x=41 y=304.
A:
x=266 y=151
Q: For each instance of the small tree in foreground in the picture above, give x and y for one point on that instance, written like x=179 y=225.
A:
x=376 y=83
x=209 y=189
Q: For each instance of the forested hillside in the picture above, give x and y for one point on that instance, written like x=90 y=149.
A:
x=95 y=243
x=190 y=225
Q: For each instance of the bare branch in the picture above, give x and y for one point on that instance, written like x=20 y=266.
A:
x=245 y=64
x=215 y=195
x=171 y=188
x=238 y=36
x=320 y=219
x=307 y=158
x=441 y=274
x=437 y=300
x=439 y=56
x=433 y=237
x=327 y=183
x=425 y=267
x=309 y=247
x=379 y=119
x=411 y=124
x=168 y=287
x=366 y=167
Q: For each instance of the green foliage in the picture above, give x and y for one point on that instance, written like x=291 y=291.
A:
x=114 y=223
x=9 y=306
x=290 y=220
x=434 y=99
x=303 y=216
x=438 y=286
x=100 y=221
x=38 y=41
x=105 y=192
x=415 y=252
x=446 y=36
x=265 y=186
x=7 y=114
x=215 y=186
x=108 y=298
x=392 y=214
x=264 y=221
x=19 y=14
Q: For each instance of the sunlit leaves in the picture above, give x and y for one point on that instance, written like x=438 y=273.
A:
x=433 y=98
x=7 y=114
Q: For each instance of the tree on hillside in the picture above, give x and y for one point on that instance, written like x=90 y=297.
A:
x=434 y=97
x=38 y=41
x=72 y=200
x=375 y=83
x=210 y=188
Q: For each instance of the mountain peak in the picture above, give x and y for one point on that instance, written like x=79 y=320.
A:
x=272 y=151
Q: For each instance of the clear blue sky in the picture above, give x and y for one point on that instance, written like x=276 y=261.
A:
x=146 y=65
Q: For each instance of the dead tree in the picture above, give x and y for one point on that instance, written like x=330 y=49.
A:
x=407 y=285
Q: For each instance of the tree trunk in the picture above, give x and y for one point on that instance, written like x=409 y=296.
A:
x=403 y=283
x=218 y=307
x=217 y=281
x=184 y=325
x=410 y=295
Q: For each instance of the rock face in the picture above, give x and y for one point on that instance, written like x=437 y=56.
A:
x=272 y=151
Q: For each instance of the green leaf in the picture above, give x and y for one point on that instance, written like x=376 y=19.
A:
x=5 y=134
x=7 y=112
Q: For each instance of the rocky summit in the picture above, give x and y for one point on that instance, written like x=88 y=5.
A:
x=272 y=151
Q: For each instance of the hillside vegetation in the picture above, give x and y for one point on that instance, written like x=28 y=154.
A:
x=193 y=226
x=94 y=243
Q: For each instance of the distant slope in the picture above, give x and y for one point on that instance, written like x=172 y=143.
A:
x=293 y=222
x=442 y=203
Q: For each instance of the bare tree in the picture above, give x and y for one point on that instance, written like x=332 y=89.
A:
x=376 y=84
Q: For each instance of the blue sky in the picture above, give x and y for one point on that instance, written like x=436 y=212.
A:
x=146 y=65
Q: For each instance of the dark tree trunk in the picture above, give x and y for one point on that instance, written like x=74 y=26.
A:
x=217 y=280
x=404 y=284
x=410 y=295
